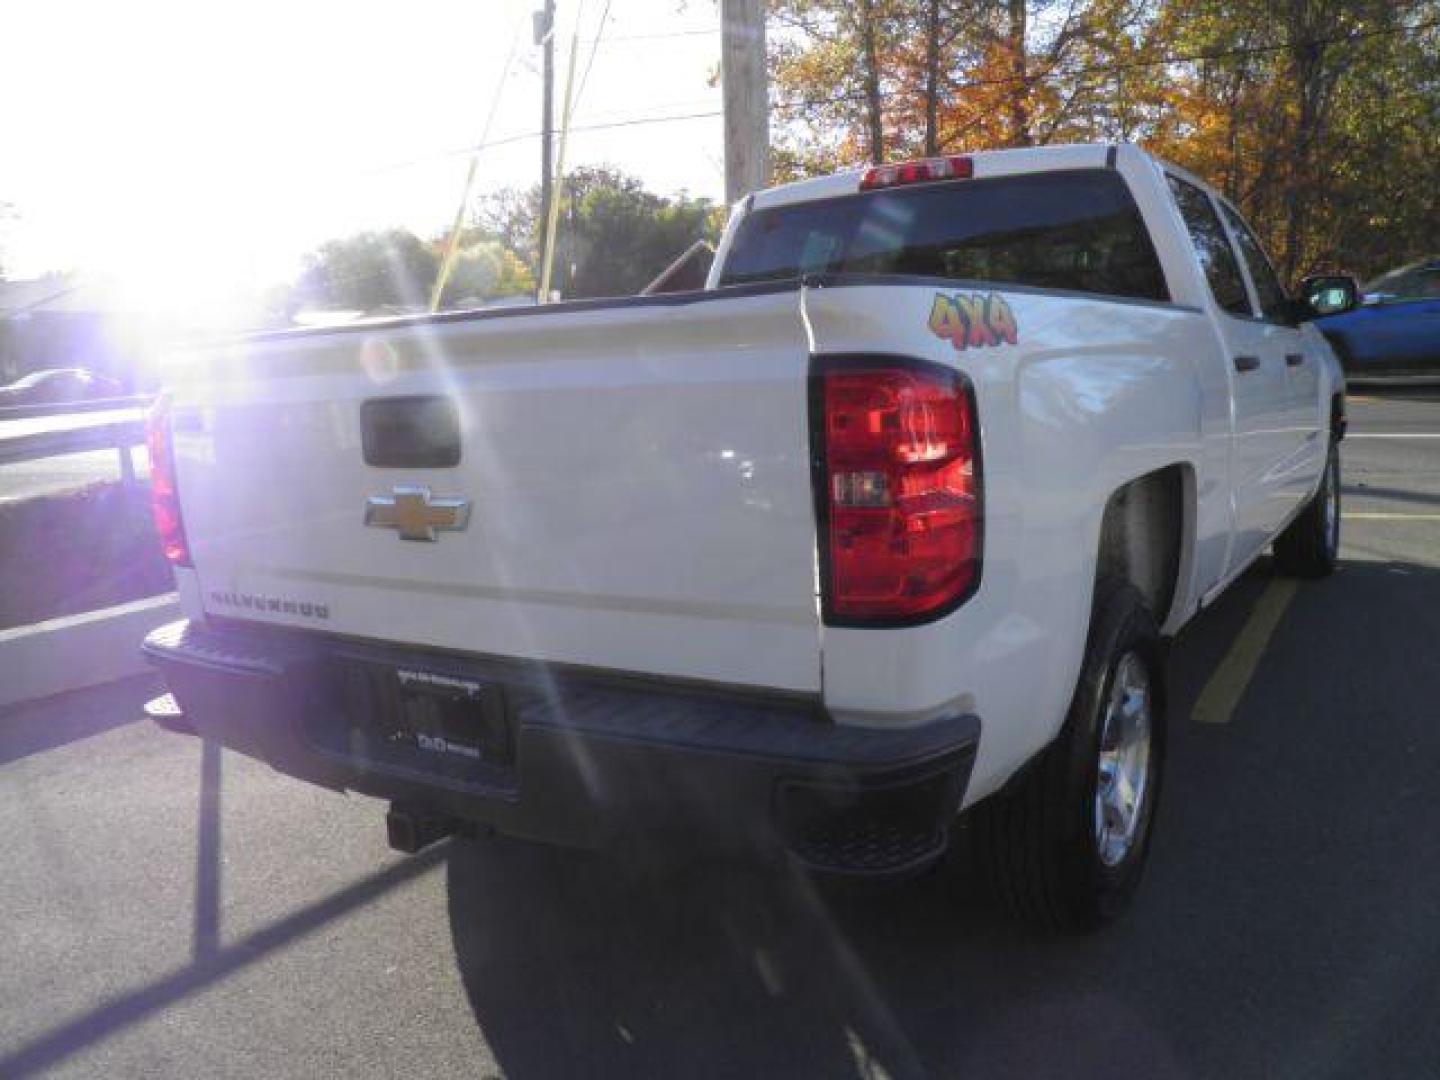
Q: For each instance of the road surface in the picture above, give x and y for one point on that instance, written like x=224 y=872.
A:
x=174 y=911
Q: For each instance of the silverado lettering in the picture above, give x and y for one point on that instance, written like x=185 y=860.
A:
x=250 y=602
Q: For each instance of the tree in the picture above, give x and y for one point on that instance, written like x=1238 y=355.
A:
x=833 y=64
x=368 y=271
x=510 y=217
x=483 y=270
x=1318 y=118
x=614 y=236
x=858 y=81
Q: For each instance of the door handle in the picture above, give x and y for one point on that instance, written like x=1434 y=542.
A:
x=1294 y=359
x=1246 y=363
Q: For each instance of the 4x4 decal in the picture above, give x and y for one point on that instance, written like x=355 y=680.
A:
x=973 y=320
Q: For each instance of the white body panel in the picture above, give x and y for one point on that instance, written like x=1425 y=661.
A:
x=641 y=480
x=1082 y=404
x=639 y=486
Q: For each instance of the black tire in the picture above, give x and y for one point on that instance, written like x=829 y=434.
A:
x=1036 y=841
x=1310 y=545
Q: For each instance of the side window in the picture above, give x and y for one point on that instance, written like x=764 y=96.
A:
x=1274 y=304
x=1212 y=246
x=1411 y=283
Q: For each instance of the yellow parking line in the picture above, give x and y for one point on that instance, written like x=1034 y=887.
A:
x=1367 y=516
x=1216 y=703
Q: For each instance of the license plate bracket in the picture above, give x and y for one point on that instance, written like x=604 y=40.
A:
x=458 y=717
x=432 y=718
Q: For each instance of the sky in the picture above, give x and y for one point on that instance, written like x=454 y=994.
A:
x=194 y=148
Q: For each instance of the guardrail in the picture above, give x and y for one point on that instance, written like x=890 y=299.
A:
x=120 y=429
x=74 y=651
x=65 y=408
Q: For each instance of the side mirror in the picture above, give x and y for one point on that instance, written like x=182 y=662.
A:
x=1329 y=294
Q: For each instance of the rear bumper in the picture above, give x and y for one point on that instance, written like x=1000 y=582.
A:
x=597 y=762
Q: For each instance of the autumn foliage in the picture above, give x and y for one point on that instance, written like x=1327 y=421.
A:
x=1320 y=119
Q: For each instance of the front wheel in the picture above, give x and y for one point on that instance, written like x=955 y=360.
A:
x=1310 y=545
x=1065 y=844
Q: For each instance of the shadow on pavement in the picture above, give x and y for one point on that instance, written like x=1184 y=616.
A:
x=119 y=1013
x=1286 y=927
x=1363 y=490
x=208 y=859
x=212 y=962
x=579 y=965
x=36 y=726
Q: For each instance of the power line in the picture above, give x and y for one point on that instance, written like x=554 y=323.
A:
x=452 y=246
x=662 y=107
x=594 y=48
x=640 y=121
x=614 y=39
x=510 y=140
x=837 y=99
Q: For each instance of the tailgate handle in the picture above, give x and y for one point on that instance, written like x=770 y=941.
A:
x=1246 y=363
x=414 y=432
x=1294 y=359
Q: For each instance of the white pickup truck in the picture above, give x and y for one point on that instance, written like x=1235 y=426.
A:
x=884 y=528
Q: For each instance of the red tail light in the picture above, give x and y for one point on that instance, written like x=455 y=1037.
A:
x=164 y=497
x=898 y=489
x=922 y=171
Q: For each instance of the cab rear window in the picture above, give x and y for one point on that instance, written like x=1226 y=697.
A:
x=1078 y=231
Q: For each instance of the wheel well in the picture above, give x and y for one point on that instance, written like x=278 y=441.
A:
x=1142 y=534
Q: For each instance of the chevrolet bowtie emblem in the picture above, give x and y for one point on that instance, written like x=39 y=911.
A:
x=411 y=510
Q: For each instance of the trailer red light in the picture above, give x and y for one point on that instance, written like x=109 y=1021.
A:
x=164 y=496
x=921 y=171
x=899 y=467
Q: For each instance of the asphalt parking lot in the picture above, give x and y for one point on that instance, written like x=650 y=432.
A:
x=172 y=910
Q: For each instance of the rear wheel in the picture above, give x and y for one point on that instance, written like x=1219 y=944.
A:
x=1310 y=545
x=1066 y=843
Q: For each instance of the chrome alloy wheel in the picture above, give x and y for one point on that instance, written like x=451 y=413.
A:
x=1123 y=779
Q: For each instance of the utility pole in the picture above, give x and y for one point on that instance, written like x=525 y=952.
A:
x=747 y=106
x=547 y=249
x=545 y=37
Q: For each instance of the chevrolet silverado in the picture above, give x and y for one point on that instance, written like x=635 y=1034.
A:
x=883 y=529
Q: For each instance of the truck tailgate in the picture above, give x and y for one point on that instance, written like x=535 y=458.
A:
x=636 y=476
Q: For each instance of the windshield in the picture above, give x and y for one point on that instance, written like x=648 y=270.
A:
x=1419 y=282
x=1077 y=231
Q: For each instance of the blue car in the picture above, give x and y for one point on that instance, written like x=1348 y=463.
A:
x=1394 y=335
